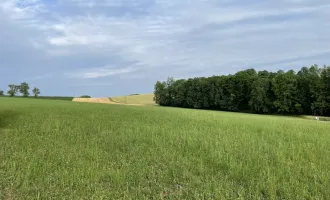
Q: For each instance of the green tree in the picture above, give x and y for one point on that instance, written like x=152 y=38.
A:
x=1 y=93
x=323 y=101
x=242 y=88
x=309 y=88
x=36 y=92
x=178 y=93
x=24 y=89
x=13 y=89
x=159 y=93
x=285 y=90
x=194 y=93
x=261 y=100
x=306 y=92
x=219 y=92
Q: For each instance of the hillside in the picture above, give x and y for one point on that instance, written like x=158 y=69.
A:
x=143 y=99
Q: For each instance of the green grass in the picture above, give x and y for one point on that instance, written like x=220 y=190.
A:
x=69 y=150
x=145 y=99
x=55 y=98
x=45 y=97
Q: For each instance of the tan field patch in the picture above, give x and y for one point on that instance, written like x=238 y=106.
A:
x=141 y=99
x=104 y=100
x=93 y=100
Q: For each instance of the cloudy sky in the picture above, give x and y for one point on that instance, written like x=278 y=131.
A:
x=118 y=47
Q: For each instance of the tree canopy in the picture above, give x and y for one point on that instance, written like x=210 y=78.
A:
x=36 y=92
x=13 y=89
x=24 y=89
x=306 y=92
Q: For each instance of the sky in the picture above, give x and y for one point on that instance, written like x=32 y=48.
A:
x=119 y=47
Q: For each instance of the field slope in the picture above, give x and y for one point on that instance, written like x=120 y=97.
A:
x=140 y=99
x=69 y=150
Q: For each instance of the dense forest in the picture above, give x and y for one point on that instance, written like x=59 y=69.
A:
x=306 y=92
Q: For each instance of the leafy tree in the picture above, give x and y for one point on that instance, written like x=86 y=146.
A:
x=323 y=101
x=261 y=100
x=243 y=87
x=24 y=89
x=285 y=90
x=36 y=92
x=1 y=93
x=159 y=94
x=305 y=92
x=178 y=93
x=85 y=96
x=309 y=83
x=13 y=89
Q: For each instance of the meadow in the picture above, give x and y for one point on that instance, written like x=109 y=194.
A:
x=70 y=150
x=45 y=97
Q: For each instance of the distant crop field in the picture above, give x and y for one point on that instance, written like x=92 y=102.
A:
x=143 y=99
x=71 y=150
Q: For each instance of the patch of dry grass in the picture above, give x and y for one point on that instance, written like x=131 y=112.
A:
x=93 y=100
x=144 y=99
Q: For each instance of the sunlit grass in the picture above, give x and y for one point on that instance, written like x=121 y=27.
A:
x=45 y=97
x=68 y=150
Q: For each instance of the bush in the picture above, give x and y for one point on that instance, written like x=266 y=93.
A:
x=85 y=96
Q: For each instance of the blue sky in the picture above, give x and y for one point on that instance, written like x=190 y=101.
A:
x=119 y=47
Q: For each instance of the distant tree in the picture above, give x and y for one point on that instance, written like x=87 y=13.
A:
x=85 y=96
x=1 y=93
x=260 y=101
x=178 y=93
x=36 y=92
x=323 y=102
x=243 y=81
x=159 y=94
x=24 y=89
x=285 y=89
x=13 y=89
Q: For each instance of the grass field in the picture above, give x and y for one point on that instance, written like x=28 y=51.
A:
x=45 y=97
x=69 y=150
x=144 y=99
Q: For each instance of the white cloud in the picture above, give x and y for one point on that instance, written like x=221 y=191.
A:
x=153 y=39
x=158 y=40
x=21 y=9
x=101 y=72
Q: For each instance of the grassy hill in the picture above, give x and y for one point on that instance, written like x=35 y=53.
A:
x=69 y=150
x=144 y=99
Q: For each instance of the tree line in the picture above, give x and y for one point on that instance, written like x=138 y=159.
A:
x=306 y=92
x=23 y=88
